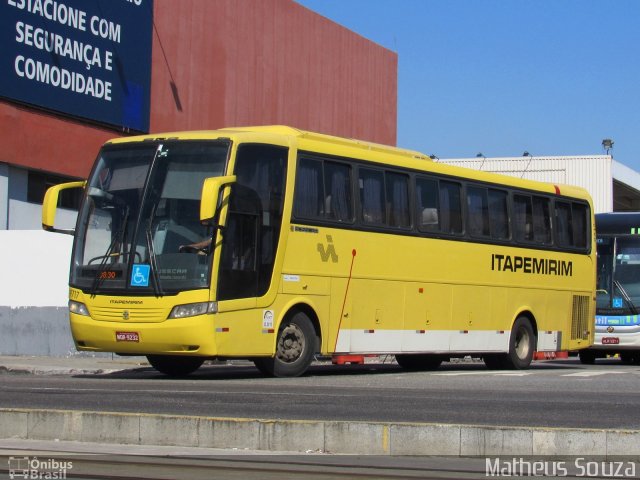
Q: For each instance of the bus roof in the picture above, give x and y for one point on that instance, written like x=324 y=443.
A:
x=281 y=131
x=358 y=149
x=617 y=223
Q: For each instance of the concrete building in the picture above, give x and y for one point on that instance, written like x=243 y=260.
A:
x=613 y=186
x=76 y=73
x=79 y=72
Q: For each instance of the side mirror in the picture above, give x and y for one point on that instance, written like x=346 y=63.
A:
x=211 y=191
x=50 y=205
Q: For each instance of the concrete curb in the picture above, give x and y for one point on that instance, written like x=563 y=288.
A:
x=48 y=370
x=363 y=438
x=79 y=365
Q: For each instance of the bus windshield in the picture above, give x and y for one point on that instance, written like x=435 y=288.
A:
x=618 y=289
x=141 y=217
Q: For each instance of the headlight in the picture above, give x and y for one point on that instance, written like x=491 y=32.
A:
x=78 y=308
x=193 y=309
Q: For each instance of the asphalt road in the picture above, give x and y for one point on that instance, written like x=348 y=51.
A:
x=553 y=394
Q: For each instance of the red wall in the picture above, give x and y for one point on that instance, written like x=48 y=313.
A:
x=233 y=63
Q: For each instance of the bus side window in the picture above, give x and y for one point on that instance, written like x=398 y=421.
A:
x=580 y=216
x=427 y=202
x=309 y=201
x=371 y=183
x=338 y=203
x=478 y=209
x=564 y=230
x=450 y=207
x=397 y=186
x=522 y=218
x=498 y=214
x=323 y=191
x=541 y=220
x=572 y=222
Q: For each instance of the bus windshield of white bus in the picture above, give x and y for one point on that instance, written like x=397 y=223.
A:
x=140 y=219
x=618 y=287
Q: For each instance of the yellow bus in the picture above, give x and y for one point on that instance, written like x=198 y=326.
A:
x=275 y=244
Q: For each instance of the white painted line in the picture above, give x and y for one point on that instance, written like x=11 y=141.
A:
x=594 y=373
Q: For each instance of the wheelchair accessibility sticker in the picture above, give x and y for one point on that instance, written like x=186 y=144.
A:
x=140 y=275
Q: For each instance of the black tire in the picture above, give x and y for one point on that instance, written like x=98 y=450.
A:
x=264 y=365
x=628 y=358
x=420 y=361
x=587 y=357
x=175 y=365
x=522 y=344
x=494 y=361
x=296 y=345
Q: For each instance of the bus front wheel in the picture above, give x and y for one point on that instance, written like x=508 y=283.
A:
x=521 y=345
x=174 y=365
x=295 y=348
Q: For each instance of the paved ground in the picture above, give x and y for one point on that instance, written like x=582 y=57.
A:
x=68 y=365
x=275 y=433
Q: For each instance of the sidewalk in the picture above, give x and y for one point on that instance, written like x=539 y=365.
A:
x=68 y=365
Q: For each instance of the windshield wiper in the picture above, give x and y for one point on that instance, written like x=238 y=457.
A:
x=117 y=240
x=99 y=278
x=157 y=288
x=626 y=297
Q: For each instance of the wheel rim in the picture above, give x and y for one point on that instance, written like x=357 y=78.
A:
x=522 y=344
x=291 y=343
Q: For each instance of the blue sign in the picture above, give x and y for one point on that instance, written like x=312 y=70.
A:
x=617 y=302
x=620 y=320
x=140 y=275
x=84 y=58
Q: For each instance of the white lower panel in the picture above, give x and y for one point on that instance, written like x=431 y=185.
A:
x=382 y=341
x=432 y=341
x=479 y=341
x=393 y=341
x=548 y=342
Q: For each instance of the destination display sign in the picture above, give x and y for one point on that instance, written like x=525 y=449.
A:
x=84 y=58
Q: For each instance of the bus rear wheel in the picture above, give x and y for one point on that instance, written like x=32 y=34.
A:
x=494 y=361
x=419 y=361
x=175 y=365
x=295 y=348
x=522 y=344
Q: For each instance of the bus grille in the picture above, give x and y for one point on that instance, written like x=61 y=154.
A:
x=580 y=318
x=119 y=314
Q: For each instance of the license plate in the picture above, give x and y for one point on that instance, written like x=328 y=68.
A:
x=610 y=340
x=127 y=337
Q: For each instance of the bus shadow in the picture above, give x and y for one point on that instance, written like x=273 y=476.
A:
x=246 y=371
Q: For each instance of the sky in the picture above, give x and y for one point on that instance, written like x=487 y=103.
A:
x=501 y=77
